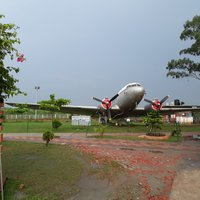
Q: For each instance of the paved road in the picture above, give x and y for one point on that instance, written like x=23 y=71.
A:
x=164 y=170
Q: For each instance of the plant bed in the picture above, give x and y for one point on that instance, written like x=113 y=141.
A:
x=155 y=137
x=155 y=134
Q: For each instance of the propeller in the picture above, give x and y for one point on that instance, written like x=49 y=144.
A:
x=114 y=97
x=156 y=104
x=96 y=99
x=164 y=99
x=106 y=104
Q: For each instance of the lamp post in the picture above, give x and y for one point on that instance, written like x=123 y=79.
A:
x=36 y=98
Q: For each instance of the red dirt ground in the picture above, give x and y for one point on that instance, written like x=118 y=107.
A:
x=154 y=164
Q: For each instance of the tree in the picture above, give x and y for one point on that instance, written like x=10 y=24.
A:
x=47 y=136
x=20 y=109
x=53 y=105
x=186 y=67
x=177 y=131
x=153 y=120
x=196 y=117
x=8 y=40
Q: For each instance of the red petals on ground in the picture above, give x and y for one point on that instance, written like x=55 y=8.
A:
x=155 y=171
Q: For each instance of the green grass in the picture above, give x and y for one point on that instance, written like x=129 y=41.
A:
x=48 y=173
x=40 y=127
x=129 y=137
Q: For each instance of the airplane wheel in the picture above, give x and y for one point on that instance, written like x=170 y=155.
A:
x=103 y=121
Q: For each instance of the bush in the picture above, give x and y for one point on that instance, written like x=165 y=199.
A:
x=47 y=136
x=154 y=121
x=177 y=131
x=100 y=129
x=56 y=124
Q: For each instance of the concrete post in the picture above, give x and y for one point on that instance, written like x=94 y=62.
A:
x=1 y=147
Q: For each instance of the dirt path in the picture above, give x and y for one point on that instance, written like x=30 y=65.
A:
x=186 y=184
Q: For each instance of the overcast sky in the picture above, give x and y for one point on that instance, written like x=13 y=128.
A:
x=83 y=48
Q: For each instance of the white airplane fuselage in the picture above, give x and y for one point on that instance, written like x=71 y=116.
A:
x=129 y=97
x=126 y=100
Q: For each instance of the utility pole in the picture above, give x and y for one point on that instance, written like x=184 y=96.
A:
x=36 y=98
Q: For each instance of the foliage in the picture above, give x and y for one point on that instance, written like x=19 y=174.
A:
x=176 y=131
x=196 y=117
x=20 y=109
x=100 y=129
x=186 y=67
x=2 y=116
x=56 y=124
x=8 y=40
x=47 y=136
x=52 y=104
x=153 y=120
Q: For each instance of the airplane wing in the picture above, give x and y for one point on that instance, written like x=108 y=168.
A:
x=115 y=111
x=70 y=109
x=81 y=110
x=165 y=110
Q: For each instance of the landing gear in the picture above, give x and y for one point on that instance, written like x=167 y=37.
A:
x=122 y=122
x=103 y=120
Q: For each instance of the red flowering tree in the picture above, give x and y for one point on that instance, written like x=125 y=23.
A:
x=8 y=41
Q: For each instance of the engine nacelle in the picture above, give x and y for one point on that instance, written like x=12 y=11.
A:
x=156 y=105
x=106 y=104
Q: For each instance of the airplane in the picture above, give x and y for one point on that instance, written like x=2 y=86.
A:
x=122 y=105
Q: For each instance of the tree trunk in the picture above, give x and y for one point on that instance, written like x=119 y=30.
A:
x=47 y=143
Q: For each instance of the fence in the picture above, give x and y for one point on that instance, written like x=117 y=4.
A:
x=35 y=117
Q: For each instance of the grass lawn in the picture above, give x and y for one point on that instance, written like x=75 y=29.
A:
x=40 y=127
x=48 y=173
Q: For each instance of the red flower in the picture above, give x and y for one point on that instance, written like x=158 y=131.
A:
x=21 y=58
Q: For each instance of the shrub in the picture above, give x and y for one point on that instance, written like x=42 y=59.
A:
x=154 y=121
x=177 y=131
x=56 y=124
x=47 y=136
x=100 y=129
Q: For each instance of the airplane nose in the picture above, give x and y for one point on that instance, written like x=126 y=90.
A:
x=141 y=92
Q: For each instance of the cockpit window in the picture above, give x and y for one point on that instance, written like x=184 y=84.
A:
x=133 y=85
x=129 y=86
